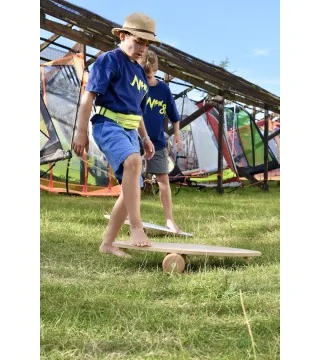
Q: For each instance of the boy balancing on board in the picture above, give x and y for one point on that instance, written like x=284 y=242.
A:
x=118 y=86
x=160 y=103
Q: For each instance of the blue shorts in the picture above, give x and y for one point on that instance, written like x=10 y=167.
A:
x=115 y=142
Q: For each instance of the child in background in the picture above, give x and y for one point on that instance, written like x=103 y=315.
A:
x=160 y=103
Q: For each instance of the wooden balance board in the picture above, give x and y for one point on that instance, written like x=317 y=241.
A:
x=147 y=225
x=175 y=258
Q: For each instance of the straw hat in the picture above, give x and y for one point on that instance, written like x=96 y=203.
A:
x=140 y=25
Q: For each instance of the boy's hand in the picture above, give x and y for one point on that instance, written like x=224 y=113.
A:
x=80 y=143
x=148 y=148
x=177 y=141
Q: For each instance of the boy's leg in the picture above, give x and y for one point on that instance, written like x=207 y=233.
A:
x=166 y=200
x=131 y=192
x=158 y=165
x=121 y=149
x=130 y=195
x=118 y=215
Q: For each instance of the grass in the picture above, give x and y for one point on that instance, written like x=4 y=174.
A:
x=96 y=306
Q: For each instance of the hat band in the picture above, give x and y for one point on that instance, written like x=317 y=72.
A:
x=140 y=30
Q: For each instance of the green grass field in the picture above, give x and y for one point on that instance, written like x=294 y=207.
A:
x=96 y=306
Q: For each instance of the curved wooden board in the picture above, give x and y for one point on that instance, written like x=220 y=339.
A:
x=151 y=226
x=191 y=249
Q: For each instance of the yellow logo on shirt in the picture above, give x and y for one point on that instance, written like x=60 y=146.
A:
x=139 y=84
x=155 y=102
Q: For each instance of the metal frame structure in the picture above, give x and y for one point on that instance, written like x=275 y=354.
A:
x=86 y=28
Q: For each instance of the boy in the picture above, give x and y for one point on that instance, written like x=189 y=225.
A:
x=159 y=104
x=118 y=86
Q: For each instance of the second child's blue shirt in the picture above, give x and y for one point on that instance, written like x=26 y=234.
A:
x=120 y=84
x=160 y=103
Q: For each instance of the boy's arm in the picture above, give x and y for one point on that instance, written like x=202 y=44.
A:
x=142 y=129
x=81 y=139
x=174 y=118
x=176 y=134
x=146 y=142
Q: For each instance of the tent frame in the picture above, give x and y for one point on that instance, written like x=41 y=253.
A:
x=87 y=28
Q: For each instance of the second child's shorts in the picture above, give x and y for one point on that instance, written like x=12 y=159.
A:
x=159 y=163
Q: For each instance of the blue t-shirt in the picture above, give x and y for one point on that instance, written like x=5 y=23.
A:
x=159 y=104
x=120 y=84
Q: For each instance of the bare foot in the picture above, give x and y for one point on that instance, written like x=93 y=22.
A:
x=139 y=238
x=109 y=249
x=171 y=225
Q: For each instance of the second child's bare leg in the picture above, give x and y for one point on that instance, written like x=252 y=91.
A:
x=131 y=192
x=166 y=200
x=118 y=215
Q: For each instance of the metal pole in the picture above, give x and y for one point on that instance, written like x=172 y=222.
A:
x=220 y=188
x=266 y=148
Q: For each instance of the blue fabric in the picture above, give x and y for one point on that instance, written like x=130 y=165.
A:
x=116 y=143
x=160 y=103
x=120 y=84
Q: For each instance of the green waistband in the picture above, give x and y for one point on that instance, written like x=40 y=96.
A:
x=127 y=121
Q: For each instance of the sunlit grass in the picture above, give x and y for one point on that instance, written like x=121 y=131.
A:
x=95 y=306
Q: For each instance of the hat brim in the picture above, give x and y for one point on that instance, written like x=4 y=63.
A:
x=142 y=35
